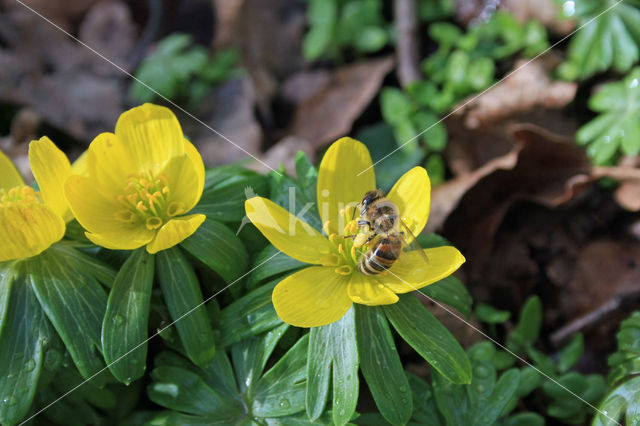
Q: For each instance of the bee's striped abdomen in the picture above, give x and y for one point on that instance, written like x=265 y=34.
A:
x=380 y=257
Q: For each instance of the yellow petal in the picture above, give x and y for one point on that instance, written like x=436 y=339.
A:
x=175 y=231
x=198 y=165
x=27 y=229
x=122 y=239
x=411 y=272
x=338 y=182
x=286 y=232
x=185 y=181
x=152 y=134
x=51 y=168
x=312 y=297
x=80 y=166
x=92 y=206
x=412 y=195
x=109 y=162
x=368 y=291
x=9 y=175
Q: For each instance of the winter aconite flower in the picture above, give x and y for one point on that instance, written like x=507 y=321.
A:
x=30 y=220
x=142 y=181
x=323 y=293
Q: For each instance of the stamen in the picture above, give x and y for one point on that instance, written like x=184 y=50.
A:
x=340 y=248
x=126 y=216
x=325 y=227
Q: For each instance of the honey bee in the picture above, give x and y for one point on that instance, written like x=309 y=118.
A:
x=381 y=223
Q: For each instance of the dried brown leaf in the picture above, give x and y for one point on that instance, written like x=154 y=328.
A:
x=331 y=111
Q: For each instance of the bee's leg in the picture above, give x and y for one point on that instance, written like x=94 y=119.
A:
x=364 y=222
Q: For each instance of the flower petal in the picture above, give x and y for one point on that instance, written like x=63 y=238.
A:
x=185 y=181
x=198 y=165
x=286 y=232
x=80 y=166
x=27 y=229
x=109 y=162
x=340 y=182
x=152 y=134
x=412 y=195
x=122 y=239
x=51 y=168
x=94 y=209
x=9 y=175
x=368 y=291
x=175 y=231
x=411 y=272
x=312 y=297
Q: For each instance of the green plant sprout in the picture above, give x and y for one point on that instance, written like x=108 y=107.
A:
x=610 y=38
x=616 y=130
x=464 y=64
x=182 y=71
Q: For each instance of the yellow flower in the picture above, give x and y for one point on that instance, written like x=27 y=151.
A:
x=322 y=294
x=140 y=183
x=31 y=221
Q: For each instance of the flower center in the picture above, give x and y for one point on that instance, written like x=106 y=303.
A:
x=18 y=195
x=350 y=246
x=146 y=199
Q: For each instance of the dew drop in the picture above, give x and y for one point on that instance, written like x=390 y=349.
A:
x=10 y=400
x=30 y=365
x=402 y=388
x=634 y=83
x=342 y=412
x=284 y=403
x=118 y=320
x=405 y=401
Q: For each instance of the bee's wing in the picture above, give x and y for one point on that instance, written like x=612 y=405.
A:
x=411 y=242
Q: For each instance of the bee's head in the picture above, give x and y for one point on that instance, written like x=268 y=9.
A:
x=369 y=198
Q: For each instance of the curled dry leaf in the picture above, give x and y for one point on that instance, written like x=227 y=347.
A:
x=541 y=167
x=527 y=87
x=330 y=112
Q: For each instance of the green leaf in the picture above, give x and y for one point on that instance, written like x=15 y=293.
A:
x=216 y=246
x=225 y=190
x=525 y=419
x=395 y=105
x=124 y=328
x=617 y=128
x=490 y=315
x=381 y=365
x=271 y=262
x=429 y=338
x=622 y=401
x=528 y=328
x=322 y=16
x=182 y=390
x=250 y=315
x=250 y=356
x=183 y=297
x=87 y=264
x=281 y=390
x=22 y=348
x=333 y=346
x=570 y=354
x=370 y=39
x=425 y=411
x=75 y=304
x=452 y=292
x=611 y=40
